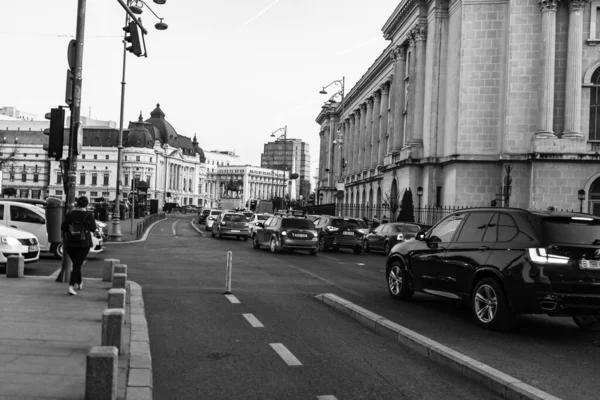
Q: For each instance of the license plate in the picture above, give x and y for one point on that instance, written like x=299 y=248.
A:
x=300 y=235
x=33 y=248
x=235 y=231
x=349 y=233
x=589 y=264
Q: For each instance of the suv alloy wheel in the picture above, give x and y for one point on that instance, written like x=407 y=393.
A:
x=273 y=246
x=490 y=307
x=255 y=243
x=322 y=244
x=398 y=285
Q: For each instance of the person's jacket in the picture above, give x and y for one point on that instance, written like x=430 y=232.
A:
x=87 y=219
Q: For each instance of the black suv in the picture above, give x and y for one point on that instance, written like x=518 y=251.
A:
x=286 y=233
x=505 y=261
x=340 y=232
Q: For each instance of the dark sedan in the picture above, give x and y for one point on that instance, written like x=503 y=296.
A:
x=504 y=262
x=286 y=233
x=386 y=236
x=231 y=224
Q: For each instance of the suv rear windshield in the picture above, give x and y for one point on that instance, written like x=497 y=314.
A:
x=346 y=223
x=297 y=223
x=205 y=212
x=216 y=212
x=262 y=217
x=576 y=230
x=235 y=218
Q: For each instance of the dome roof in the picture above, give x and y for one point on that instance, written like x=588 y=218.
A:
x=139 y=134
x=163 y=131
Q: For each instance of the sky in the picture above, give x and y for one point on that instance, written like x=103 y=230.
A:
x=230 y=71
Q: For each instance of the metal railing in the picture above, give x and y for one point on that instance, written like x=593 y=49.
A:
x=147 y=221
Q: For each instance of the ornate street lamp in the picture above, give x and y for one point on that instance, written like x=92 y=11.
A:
x=285 y=175
x=116 y=233
x=581 y=197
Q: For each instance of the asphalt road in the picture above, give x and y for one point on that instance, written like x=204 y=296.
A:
x=206 y=347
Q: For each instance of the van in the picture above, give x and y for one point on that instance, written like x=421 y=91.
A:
x=32 y=218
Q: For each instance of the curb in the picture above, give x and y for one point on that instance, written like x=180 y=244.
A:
x=196 y=228
x=143 y=239
x=139 y=380
x=497 y=381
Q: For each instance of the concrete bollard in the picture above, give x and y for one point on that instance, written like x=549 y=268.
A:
x=112 y=328
x=101 y=370
x=120 y=269
x=116 y=298
x=15 y=266
x=107 y=272
x=119 y=281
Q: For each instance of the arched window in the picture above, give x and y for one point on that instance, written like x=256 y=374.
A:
x=595 y=106
x=594 y=198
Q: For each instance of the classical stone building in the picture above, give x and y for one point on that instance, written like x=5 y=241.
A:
x=466 y=91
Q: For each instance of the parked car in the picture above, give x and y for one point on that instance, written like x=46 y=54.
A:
x=210 y=218
x=255 y=219
x=231 y=224
x=386 y=236
x=504 y=262
x=15 y=242
x=203 y=215
x=32 y=218
x=248 y=214
x=286 y=233
x=339 y=232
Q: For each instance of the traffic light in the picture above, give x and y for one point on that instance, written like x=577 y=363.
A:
x=132 y=35
x=55 y=133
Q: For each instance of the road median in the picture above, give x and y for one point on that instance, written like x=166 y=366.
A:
x=505 y=385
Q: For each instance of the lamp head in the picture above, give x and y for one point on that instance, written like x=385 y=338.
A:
x=161 y=26
x=323 y=91
x=420 y=191
x=160 y=1
x=581 y=194
x=135 y=8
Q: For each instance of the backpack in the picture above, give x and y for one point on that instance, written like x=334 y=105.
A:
x=76 y=232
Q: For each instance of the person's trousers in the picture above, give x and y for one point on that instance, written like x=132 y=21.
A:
x=77 y=256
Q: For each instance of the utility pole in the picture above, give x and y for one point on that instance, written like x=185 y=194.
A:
x=71 y=163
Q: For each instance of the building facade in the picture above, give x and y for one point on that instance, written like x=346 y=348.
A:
x=473 y=101
x=292 y=155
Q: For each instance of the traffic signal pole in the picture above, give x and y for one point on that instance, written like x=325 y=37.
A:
x=71 y=163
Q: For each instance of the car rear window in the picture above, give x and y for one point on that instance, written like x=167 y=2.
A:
x=263 y=217
x=217 y=212
x=297 y=223
x=576 y=230
x=346 y=223
x=235 y=218
x=362 y=224
x=407 y=228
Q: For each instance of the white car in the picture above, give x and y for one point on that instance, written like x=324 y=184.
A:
x=32 y=218
x=257 y=218
x=210 y=219
x=17 y=242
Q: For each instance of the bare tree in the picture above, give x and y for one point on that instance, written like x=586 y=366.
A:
x=7 y=157
x=393 y=203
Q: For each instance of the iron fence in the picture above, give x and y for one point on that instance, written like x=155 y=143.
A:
x=147 y=221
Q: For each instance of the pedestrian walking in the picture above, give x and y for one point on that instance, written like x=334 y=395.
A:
x=77 y=229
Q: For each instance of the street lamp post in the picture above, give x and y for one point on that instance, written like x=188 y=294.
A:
x=136 y=8
x=581 y=197
x=284 y=136
x=419 y=194
x=331 y=103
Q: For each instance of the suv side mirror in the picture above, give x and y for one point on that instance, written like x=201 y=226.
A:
x=420 y=236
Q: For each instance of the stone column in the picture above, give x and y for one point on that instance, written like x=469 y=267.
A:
x=376 y=117
x=574 y=56
x=419 y=35
x=321 y=155
x=346 y=147
x=351 y=146
x=335 y=149
x=368 y=134
x=358 y=136
x=397 y=135
x=383 y=122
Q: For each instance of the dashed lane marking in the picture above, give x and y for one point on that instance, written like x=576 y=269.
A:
x=331 y=258
x=252 y=320
x=232 y=299
x=285 y=354
x=173 y=227
x=327 y=397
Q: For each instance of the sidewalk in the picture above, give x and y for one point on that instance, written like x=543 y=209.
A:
x=46 y=334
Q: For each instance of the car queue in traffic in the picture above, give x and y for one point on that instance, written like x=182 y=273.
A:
x=500 y=262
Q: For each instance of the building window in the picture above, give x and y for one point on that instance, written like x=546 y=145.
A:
x=36 y=177
x=83 y=156
x=23 y=177
x=137 y=158
x=93 y=194
x=105 y=194
x=106 y=157
x=58 y=178
x=150 y=159
x=81 y=193
x=82 y=179
x=95 y=156
x=94 y=179
x=126 y=183
x=595 y=106
x=58 y=192
x=148 y=177
x=125 y=158
x=105 y=179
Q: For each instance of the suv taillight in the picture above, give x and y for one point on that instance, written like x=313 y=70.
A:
x=540 y=256
x=332 y=229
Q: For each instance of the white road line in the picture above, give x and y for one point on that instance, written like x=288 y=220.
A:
x=253 y=321
x=331 y=258
x=285 y=354
x=327 y=397
x=173 y=227
x=55 y=273
x=232 y=299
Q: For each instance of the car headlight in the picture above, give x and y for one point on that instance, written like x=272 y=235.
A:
x=283 y=233
x=9 y=240
x=400 y=237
